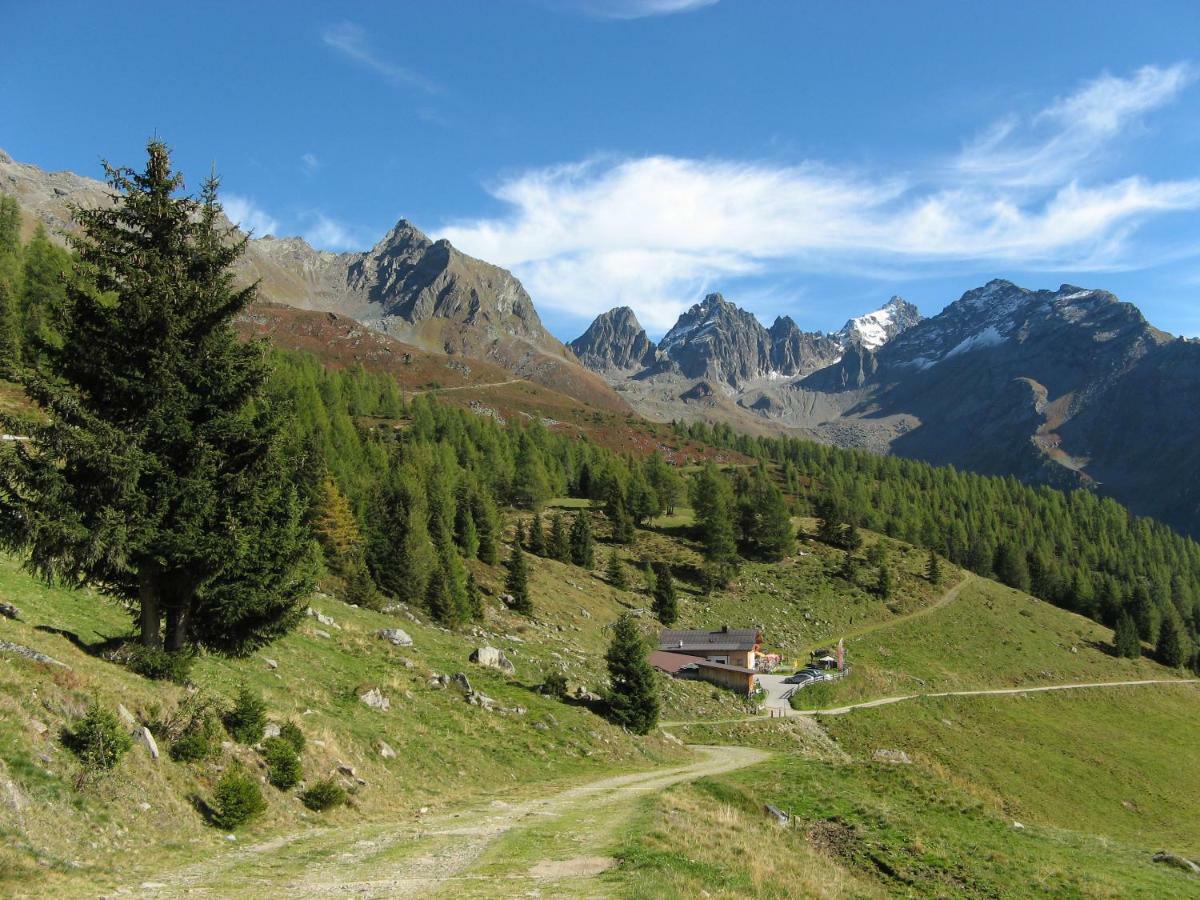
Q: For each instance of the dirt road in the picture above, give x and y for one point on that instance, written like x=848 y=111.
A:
x=556 y=844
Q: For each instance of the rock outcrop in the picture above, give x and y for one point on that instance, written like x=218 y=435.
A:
x=614 y=342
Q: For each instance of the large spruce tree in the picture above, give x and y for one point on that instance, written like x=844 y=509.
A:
x=632 y=693
x=156 y=471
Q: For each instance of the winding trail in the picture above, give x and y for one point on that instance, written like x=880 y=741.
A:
x=901 y=698
x=555 y=844
x=466 y=387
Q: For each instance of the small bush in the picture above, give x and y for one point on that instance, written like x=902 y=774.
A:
x=246 y=721
x=555 y=685
x=291 y=733
x=283 y=765
x=98 y=739
x=199 y=739
x=325 y=794
x=236 y=801
x=160 y=665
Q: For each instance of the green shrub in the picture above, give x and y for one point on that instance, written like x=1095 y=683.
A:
x=291 y=733
x=199 y=739
x=160 y=665
x=325 y=794
x=236 y=801
x=246 y=721
x=283 y=765
x=555 y=685
x=98 y=739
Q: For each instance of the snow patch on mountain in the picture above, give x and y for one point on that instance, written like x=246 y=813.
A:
x=874 y=329
x=989 y=337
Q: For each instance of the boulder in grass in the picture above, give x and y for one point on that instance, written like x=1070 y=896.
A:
x=144 y=735
x=9 y=611
x=375 y=699
x=396 y=636
x=1176 y=861
x=492 y=658
x=386 y=751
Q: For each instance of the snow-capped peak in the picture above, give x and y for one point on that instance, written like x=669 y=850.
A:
x=874 y=329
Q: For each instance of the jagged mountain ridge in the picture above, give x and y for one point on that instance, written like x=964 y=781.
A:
x=420 y=291
x=1070 y=387
x=614 y=342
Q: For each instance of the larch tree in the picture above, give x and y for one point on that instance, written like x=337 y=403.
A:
x=517 y=581
x=582 y=546
x=155 y=472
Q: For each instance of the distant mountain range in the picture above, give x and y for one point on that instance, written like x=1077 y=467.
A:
x=1069 y=387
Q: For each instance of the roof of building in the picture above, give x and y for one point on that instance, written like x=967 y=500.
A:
x=709 y=664
x=726 y=638
x=672 y=662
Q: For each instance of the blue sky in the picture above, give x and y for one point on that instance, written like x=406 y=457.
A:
x=803 y=158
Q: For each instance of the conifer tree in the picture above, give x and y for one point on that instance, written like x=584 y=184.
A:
x=487 y=526
x=849 y=567
x=157 y=473
x=401 y=553
x=632 y=693
x=883 y=587
x=582 y=547
x=44 y=294
x=1125 y=637
x=764 y=519
x=558 y=545
x=712 y=500
x=666 y=604
x=336 y=528
x=10 y=331
x=933 y=568
x=531 y=485
x=617 y=511
x=1171 y=649
x=517 y=581
x=519 y=532
x=615 y=571
x=474 y=598
x=466 y=534
x=537 y=536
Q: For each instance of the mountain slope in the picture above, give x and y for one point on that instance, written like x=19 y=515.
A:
x=1070 y=387
x=424 y=292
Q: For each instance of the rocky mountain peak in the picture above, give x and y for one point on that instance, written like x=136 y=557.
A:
x=874 y=329
x=615 y=341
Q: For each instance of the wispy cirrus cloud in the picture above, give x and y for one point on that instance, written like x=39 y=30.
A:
x=1073 y=130
x=652 y=232
x=248 y=216
x=351 y=40
x=631 y=9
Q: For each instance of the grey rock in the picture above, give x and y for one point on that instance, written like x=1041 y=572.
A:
x=271 y=730
x=375 y=699
x=778 y=815
x=320 y=632
x=463 y=683
x=1176 y=861
x=31 y=654
x=492 y=658
x=144 y=735
x=386 y=751
x=896 y=757
x=9 y=611
x=438 y=682
x=38 y=727
x=396 y=636
x=271 y=664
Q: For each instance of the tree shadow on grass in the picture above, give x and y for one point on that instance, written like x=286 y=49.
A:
x=101 y=648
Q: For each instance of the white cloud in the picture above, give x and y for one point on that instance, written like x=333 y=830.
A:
x=653 y=232
x=325 y=233
x=1054 y=143
x=242 y=212
x=632 y=9
x=351 y=41
x=310 y=162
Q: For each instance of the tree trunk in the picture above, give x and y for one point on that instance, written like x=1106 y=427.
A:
x=178 y=617
x=150 y=618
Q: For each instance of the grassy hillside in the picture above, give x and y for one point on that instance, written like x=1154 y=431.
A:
x=56 y=837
